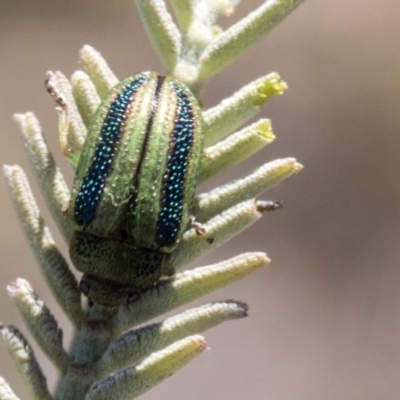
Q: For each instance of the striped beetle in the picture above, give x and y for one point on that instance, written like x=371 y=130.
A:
x=133 y=187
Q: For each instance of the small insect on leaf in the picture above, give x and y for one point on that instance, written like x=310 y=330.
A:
x=134 y=186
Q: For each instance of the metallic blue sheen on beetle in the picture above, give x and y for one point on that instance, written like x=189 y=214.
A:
x=134 y=185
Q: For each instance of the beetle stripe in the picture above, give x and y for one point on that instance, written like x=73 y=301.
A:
x=170 y=217
x=93 y=183
x=154 y=106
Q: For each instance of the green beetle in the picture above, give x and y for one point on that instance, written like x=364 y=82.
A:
x=133 y=187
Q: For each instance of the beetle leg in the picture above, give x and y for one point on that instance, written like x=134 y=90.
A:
x=199 y=228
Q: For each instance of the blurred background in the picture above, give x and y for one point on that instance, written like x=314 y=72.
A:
x=324 y=320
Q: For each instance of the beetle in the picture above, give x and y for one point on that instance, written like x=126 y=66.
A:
x=134 y=185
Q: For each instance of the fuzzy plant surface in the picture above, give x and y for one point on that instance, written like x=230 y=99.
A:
x=110 y=357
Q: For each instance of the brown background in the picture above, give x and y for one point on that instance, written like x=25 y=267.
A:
x=324 y=317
